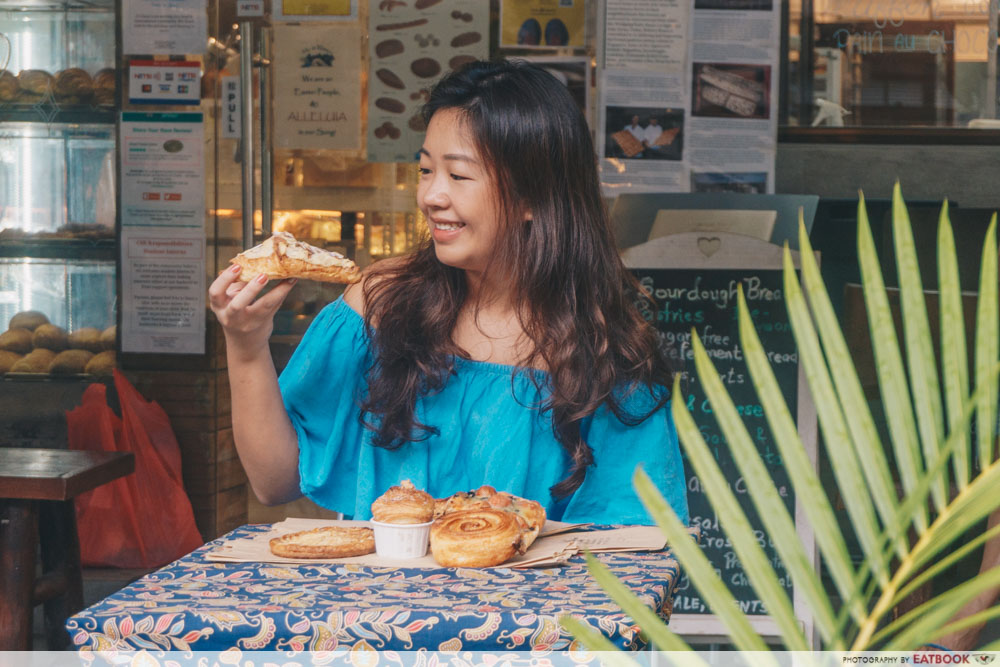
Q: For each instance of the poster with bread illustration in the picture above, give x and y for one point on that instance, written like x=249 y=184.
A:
x=413 y=44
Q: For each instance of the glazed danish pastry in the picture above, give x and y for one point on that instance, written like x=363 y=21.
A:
x=403 y=504
x=475 y=538
x=325 y=542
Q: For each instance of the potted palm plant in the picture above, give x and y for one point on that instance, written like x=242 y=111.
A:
x=907 y=516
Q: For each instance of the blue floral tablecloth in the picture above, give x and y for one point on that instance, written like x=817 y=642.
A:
x=197 y=605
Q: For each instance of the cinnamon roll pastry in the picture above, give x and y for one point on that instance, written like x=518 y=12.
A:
x=529 y=513
x=475 y=538
x=403 y=504
x=325 y=542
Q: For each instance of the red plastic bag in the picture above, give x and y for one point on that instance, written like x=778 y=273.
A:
x=145 y=519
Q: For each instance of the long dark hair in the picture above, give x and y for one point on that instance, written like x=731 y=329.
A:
x=562 y=264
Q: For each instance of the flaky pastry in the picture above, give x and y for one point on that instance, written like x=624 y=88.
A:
x=282 y=256
x=475 y=538
x=325 y=542
x=404 y=504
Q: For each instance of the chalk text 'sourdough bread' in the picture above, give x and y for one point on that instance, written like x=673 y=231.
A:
x=281 y=256
x=325 y=542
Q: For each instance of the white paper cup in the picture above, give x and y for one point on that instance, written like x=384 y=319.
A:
x=401 y=540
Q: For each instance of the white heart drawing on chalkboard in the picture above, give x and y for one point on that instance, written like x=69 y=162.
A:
x=709 y=246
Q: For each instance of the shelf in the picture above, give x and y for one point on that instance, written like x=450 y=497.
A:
x=56 y=5
x=42 y=113
x=47 y=377
x=96 y=249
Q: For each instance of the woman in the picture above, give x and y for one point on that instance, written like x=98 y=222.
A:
x=503 y=351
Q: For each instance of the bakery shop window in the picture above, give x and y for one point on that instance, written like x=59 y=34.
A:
x=896 y=65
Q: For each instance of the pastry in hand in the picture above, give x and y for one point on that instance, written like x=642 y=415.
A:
x=281 y=256
x=529 y=513
x=325 y=542
x=475 y=538
x=403 y=504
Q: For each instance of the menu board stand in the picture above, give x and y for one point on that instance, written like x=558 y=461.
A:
x=689 y=281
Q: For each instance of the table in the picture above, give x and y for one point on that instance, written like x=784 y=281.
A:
x=197 y=605
x=37 y=487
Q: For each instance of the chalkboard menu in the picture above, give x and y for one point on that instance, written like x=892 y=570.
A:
x=677 y=301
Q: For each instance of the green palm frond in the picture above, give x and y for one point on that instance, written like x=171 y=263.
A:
x=908 y=500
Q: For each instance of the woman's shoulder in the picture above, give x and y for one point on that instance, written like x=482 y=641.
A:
x=371 y=276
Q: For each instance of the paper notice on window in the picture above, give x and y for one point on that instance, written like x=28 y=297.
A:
x=689 y=95
x=640 y=34
x=643 y=117
x=317 y=87
x=412 y=46
x=164 y=26
x=163 y=233
x=734 y=95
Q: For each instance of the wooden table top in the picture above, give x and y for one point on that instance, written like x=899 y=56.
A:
x=58 y=474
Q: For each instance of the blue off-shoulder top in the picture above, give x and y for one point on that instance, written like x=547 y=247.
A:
x=489 y=432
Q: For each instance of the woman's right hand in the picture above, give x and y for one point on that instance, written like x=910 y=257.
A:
x=246 y=320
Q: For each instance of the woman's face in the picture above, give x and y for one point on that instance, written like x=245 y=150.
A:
x=457 y=194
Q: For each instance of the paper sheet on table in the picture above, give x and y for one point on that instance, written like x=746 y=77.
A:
x=557 y=543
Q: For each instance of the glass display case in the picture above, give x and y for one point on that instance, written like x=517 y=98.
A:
x=57 y=186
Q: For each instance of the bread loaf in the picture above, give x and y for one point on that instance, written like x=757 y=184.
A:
x=16 y=340
x=8 y=86
x=70 y=362
x=73 y=86
x=27 y=319
x=36 y=361
x=7 y=360
x=109 y=337
x=33 y=84
x=102 y=363
x=50 y=337
x=104 y=87
x=86 y=338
